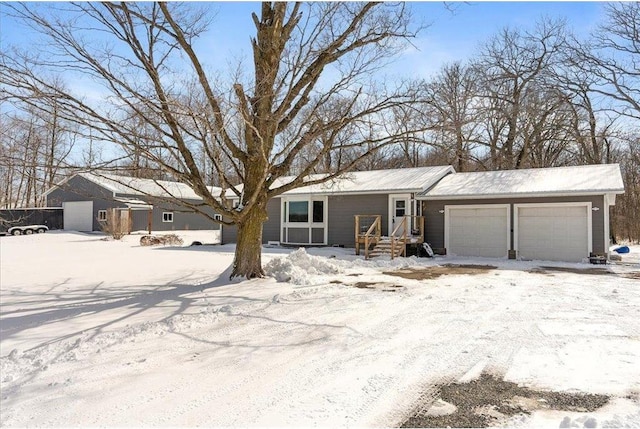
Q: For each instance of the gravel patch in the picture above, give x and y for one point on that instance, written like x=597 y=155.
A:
x=590 y=271
x=429 y=273
x=489 y=400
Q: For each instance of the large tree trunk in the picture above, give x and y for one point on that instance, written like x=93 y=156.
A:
x=248 y=257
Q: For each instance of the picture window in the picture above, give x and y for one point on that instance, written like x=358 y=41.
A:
x=298 y=211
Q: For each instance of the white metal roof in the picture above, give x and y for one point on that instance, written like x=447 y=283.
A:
x=374 y=181
x=586 y=179
x=120 y=185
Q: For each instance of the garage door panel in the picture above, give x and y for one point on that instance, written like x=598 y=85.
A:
x=557 y=233
x=480 y=231
x=78 y=216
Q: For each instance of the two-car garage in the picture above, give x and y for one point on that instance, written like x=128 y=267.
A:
x=544 y=231
x=558 y=214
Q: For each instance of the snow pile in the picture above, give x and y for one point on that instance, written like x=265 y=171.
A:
x=300 y=268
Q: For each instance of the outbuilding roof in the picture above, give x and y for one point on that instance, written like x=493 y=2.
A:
x=375 y=181
x=125 y=185
x=585 y=180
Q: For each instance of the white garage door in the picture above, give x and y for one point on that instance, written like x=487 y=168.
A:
x=78 y=216
x=553 y=232
x=477 y=230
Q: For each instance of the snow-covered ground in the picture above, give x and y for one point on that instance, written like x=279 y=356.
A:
x=109 y=333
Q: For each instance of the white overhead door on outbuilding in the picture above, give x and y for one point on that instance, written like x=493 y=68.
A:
x=78 y=215
x=481 y=230
x=553 y=232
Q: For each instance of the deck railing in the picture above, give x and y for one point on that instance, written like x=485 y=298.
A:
x=408 y=229
x=370 y=236
x=399 y=240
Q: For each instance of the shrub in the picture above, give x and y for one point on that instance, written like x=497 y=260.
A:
x=157 y=240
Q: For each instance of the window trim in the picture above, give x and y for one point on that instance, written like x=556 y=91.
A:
x=310 y=224
x=297 y=222
x=102 y=218
x=167 y=219
x=313 y=212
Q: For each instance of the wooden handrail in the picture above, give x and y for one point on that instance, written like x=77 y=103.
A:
x=395 y=239
x=375 y=226
x=402 y=222
x=372 y=234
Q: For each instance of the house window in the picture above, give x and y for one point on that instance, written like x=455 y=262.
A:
x=102 y=215
x=298 y=211
x=304 y=220
x=401 y=208
x=318 y=211
x=217 y=216
x=167 y=217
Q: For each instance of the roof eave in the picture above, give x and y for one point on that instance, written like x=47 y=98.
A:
x=431 y=182
x=362 y=192
x=519 y=195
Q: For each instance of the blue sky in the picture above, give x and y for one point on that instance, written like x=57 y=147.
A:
x=454 y=33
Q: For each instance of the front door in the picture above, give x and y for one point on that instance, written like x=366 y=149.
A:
x=399 y=209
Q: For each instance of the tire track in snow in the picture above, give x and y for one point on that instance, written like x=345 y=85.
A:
x=317 y=373
x=475 y=352
x=315 y=366
x=271 y=369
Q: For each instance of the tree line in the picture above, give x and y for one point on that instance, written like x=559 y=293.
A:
x=314 y=100
x=536 y=97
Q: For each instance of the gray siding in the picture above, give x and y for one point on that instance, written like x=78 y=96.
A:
x=434 y=220
x=271 y=228
x=80 y=189
x=183 y=219
x=342 y=211
x=340 y=222
x=51 y=217
x=229 y=233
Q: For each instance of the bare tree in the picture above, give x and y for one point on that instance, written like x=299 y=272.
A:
x=34 y=146
x=451 y=100
x=611 y=58
x=625 y=220
x=512 y=68
x=589 y=125
x=304 y=56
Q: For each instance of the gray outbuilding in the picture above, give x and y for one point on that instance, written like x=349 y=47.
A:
x=86 y=199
